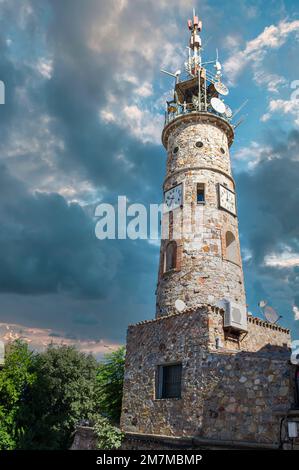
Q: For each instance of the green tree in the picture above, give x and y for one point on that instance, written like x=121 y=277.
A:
x=110 y=381
x=63 y=393
x=15 y=378
x=109 y=437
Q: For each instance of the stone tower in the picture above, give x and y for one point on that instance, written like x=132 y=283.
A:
x=200 y=261
x=203 y=373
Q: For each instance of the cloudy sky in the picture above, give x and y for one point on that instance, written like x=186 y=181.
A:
x=82 y=123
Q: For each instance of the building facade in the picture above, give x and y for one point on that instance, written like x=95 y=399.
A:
x=204 y=373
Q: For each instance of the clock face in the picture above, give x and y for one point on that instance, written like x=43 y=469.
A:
x=173 y=198
x=227 y=199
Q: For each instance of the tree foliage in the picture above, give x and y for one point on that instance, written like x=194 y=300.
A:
x=43 y=396
x=109 y=436
x=15 y=378
x=110 y=378
x=63 y=393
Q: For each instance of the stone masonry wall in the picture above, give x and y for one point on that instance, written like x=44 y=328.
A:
x=261 y=334
x=204 y=273
x=227 y=394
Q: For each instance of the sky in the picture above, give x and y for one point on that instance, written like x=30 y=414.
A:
x=81 y=124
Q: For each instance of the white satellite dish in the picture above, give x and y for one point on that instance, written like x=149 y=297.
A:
x=262 y=303
x=221 y=88
x=180 y=305
x=228 y=112
x=270 y=314
x=218 y=105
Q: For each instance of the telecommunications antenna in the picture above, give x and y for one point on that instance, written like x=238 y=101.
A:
x=180 y=305
x=271 y=315
x=176 y=74
x=218 y=105
x=228 y=112
x=240 y=108
x=221 y=88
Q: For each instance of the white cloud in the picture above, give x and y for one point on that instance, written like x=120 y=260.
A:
x=286 y=259
x=45 y=68
x=140 y=121
x=283 y=107
x=253 y=154
x=272 y=37
x=271 y=80
x=296 y=312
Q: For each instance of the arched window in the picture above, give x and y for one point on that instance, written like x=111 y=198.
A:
x=170 y=256
x=231 y=247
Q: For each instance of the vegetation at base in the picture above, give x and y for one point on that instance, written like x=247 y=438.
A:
x=44 y=396
x=15 y=379
x=110 y=378
x=109 y=436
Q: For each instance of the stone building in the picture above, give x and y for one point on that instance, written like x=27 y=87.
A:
x=204 y=373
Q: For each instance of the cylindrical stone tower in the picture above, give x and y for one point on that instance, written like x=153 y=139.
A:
x=204 y=265
x=200 y=260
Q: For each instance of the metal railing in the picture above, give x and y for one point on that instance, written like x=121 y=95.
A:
x=175 y=110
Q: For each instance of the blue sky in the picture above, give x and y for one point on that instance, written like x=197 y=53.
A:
x=82 y=124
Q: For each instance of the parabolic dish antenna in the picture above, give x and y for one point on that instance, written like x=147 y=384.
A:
x=228 y=112
x=180 y=305
x=218 y=105
x=262 y=303
x=271 y=315
x=221 y=88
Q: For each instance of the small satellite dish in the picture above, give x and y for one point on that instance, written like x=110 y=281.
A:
x=221 y=88
x=180 y=305
x=218 y=105
x=262 y=303
x=270 y=314
x=228 y=112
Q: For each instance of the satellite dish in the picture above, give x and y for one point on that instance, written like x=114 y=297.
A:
x=180 y=305
x=218 y=105
x=271 y=315
x=221 y=88
x=262 y=303
x=228 y=112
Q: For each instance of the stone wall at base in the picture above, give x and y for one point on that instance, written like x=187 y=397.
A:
x=227 y=394
x=84 y=439
x=150 y=442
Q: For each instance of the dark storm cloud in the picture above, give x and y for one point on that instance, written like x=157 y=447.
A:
x=83 y=79
x=269 y=196
x=48 y=245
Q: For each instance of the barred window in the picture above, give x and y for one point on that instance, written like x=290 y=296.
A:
x=169 y=381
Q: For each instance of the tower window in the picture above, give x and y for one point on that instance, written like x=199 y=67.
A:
x=200 y=193
x=170 y=256
x=222 y=150
x=199 y=144
x=231 y=247
x=175 y=150
x=169 y=381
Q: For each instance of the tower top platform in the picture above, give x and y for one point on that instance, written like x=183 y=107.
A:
x=198 y=116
